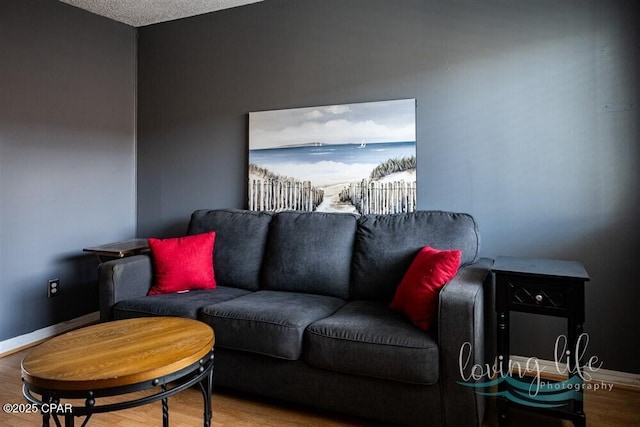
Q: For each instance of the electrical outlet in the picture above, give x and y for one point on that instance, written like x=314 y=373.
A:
x=53 y=288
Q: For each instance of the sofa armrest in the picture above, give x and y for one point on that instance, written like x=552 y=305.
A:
x=121 y=279
x=465 y=307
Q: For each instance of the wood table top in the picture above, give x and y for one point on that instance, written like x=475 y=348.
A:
x=118 y=353
x=120 y=249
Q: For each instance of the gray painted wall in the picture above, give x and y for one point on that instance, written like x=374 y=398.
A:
x=67 y=156
x=512 y=124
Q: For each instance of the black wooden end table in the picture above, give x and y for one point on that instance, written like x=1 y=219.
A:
x=544 y=287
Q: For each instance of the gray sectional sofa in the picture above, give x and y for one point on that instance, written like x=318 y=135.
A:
x=301 y=311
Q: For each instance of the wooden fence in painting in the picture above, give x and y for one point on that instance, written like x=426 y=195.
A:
x=279 y=195
x=381 y=197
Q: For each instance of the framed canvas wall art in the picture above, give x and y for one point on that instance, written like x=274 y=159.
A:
x=357 y=157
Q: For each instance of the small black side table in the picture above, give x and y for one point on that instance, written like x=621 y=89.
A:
x=546 y=287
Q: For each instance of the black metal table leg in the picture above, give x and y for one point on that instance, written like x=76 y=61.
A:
x=45 y=415
x=68 y=419
x=206 y=387
x=165 y=409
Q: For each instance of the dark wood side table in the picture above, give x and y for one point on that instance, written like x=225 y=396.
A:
x=545 y=287
x=119 y=249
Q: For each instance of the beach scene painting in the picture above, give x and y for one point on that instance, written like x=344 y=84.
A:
x=358 y=157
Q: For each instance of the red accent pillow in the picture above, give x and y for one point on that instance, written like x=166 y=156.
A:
x=183 y=263
x=417 y=294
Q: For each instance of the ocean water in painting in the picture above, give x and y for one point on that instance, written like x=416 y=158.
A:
x=329 y=164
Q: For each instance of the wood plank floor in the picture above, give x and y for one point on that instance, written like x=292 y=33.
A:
x=614 y=408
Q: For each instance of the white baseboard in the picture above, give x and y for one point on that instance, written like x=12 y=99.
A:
x=620 y=379
x=20 y=342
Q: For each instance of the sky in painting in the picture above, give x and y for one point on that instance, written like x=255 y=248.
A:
x=368 y=122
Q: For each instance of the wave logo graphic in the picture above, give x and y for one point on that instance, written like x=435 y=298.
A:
x=536 y=394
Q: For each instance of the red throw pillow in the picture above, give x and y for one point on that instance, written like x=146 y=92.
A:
x=183 y=263
x=417 y=294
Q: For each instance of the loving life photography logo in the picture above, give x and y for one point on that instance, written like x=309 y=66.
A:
x=525 y=382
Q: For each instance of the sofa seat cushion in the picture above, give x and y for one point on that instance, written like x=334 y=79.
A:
x=368 y=338
x=271 y=323
x=184 y=304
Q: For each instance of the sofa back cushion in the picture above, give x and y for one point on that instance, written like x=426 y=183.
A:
x=386 y=245
x=241 y=240
x=310 y=252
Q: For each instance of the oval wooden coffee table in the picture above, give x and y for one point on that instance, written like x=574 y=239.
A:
x=168 y=354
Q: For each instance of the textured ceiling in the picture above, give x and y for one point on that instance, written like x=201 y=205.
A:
x=138 y=13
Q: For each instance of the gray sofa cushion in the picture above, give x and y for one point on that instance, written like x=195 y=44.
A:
x=241 y=238
x=386 y=245
x=268 y=322
x=185 y=304
x=367 y=338
x=310 y=252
